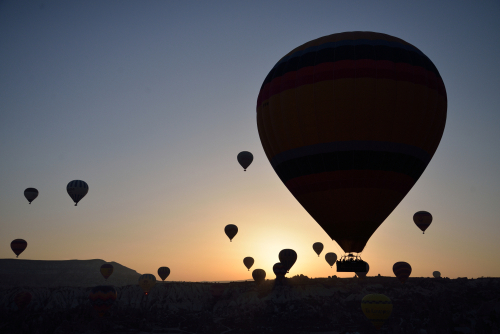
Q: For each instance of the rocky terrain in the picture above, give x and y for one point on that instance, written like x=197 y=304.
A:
x=298 y=305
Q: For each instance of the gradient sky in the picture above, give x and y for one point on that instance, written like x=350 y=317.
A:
x=149 y=102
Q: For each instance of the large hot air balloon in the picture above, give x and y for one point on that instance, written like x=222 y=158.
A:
x=318 y=247
x=18 y=246
x=147 y=282
x=30 y=194
x=248 y=262
x=231 y=231
x=287 y=258
x=377 y=308
x=106 y=270
x=331 y=258
x=402 y=270
x=436 y=274
x=422 y=219
x=259 y=275
x=279 y=270
x=77 y=189
x=163 y=272
x=245 y=159
x=102 y=298
x=362 y=274
x=22 y=299
x=349 y=122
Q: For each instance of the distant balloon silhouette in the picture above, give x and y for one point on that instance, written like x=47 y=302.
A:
x=77 y=189
x=279 y=270
x=245 y=159
x=106 y=270
x=331 y=258
x=248 y=262
x=102 y=297
x=147 y=282
x=287 y=258
x=362 y=274
x=163 y=272
x=377 y=308
x=318 y=247
x=259 y=275
x=231 y=231
x=30 y=194
x=402 y=270
x=18 y=246
x=22 y=299
x=436 y=274
x=422 y=219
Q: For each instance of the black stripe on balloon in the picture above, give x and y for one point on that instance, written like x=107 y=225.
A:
x=351 y=160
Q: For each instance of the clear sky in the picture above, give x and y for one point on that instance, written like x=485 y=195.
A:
x=149 y=102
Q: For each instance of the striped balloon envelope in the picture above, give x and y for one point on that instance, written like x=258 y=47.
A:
x=18 y=246
x=402 y=270
x=147 y=282
x=349 y=122
x=102 y=297
x=77 y=189
x=422 y=219
x=377 y=308
x=22 y=299
x=106 y=270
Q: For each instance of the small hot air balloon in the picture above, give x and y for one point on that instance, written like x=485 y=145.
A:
x=18 y=246
x=436 y=274
x=279 y=270
x=331 y=258
x=106 y=270
x=402 y=270
x=287 y=258
x=30 y=194
x=422 y=219
x=245 y=159
x=77 y=189
x=318 y=247
x=259 y=275
x=147 y=282
x=362 y=274
x=231 y=231
x=377 y=308
x=22 y=299
x=163 y=272
x=248 y=262
x=102 y=298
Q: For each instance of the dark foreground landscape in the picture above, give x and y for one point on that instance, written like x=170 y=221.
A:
x=299 y=305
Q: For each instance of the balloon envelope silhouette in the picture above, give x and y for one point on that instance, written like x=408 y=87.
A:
x=106 y=270
x=377 y=308
x=349 y=122
x=18 y=246
x=318 y=247
x=30 y=194
x=422 y=219
x=287 y=258
x=163 y=272
x=259 y=275
x=331 y=258
x=402 y=270
x=231 y=231
x=362 y=274
x=245 y=158
x=147 y=282
x=436 y=274
x=77 y=189
x=248 y=262
x=279 y=270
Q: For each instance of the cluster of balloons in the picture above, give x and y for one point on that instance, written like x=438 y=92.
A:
x=77 y=189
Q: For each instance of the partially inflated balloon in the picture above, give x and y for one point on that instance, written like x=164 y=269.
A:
x=259 y=275
x=331 y=258
x=163 y=272
x=402 y=270
x=279 y=270
x=318 y=247
x=287 y=258
x=231 y=231
x=422 y=219
x=377 y=308
x=30 y=194
x=436 y=274
x=147 y=282
x=102 y=298
x=18 y=246
x=248 y=262
x=349 y=122
x=362 y=274
x=245 y=159
x=22 y=299
x=106 y=270
x=77 y=189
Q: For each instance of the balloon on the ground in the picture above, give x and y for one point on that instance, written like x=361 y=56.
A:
x=318 y=247
x=248 y=262
x=259 y=275
x=362 y=274
x=106 y=270
x=287 y=258
x=349 y=122
x=245 y=158
x=331 y=258
x=77 y=189
x=402 y=270
x=102 y=297
x=163 y=272
x=279 y=270
x=22 y=299
x=18 y=246
x=436 y=274
x=422 y=219
x=147 y=282
x=30 y=194
x=377 y=308
x=231 y=231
